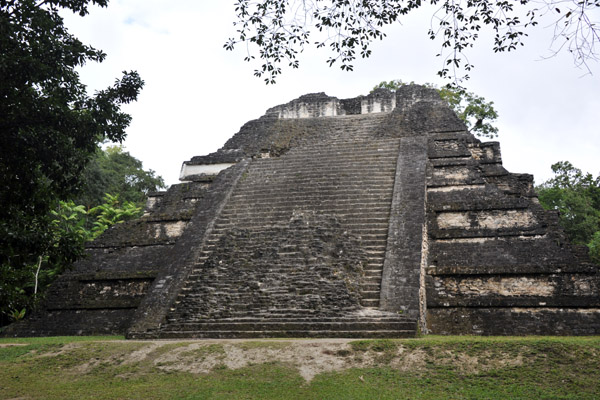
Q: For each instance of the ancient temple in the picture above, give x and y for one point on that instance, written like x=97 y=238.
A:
x=376 y=216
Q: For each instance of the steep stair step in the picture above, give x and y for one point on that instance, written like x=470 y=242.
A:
x=370 y=287
x=295 y=325
x=370 y=302
x=374 y=294
x=372 y=272
x=249 y=334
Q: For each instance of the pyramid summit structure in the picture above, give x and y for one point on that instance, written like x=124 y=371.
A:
x=377 y=216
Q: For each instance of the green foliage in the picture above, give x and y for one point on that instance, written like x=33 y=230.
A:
x=116 y=171
x=20 y=288
x=112 y=212
x=17 y=315
x=49 y=129
x=49 y=126
x=473 y=110
x=577 y=197
x=281 y=29
x=594 y=246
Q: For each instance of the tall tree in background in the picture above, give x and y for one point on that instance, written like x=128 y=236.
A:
x=477 y=113
x=281 y=29
x=114 y=190
x=71 y=226
x=117 y=172
x=49 y=126
x=577 y=197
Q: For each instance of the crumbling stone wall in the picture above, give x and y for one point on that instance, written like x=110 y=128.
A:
x=498 y=263
x=317 y=105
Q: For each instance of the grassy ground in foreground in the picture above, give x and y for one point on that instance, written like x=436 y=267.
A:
x=432 y=367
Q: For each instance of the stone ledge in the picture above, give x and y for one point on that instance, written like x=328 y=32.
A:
x=514 y=321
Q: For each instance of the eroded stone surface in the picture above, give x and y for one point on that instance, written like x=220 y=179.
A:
x=496 y=219
x=502 y=286
x=498 y=263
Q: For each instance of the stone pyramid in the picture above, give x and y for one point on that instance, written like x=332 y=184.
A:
x=376 y=216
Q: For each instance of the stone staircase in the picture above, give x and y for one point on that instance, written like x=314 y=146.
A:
x=298 y=250
x=354 y=182
x=353 y=326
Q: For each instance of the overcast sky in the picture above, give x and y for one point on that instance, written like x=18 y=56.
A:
x=197 y=95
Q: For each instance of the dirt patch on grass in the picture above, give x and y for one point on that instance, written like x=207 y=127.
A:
x=57 y=350
x=409 y=360
x=310 y=357
x=313 y=357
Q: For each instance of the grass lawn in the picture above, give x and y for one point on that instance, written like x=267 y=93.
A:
x=431 y=367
